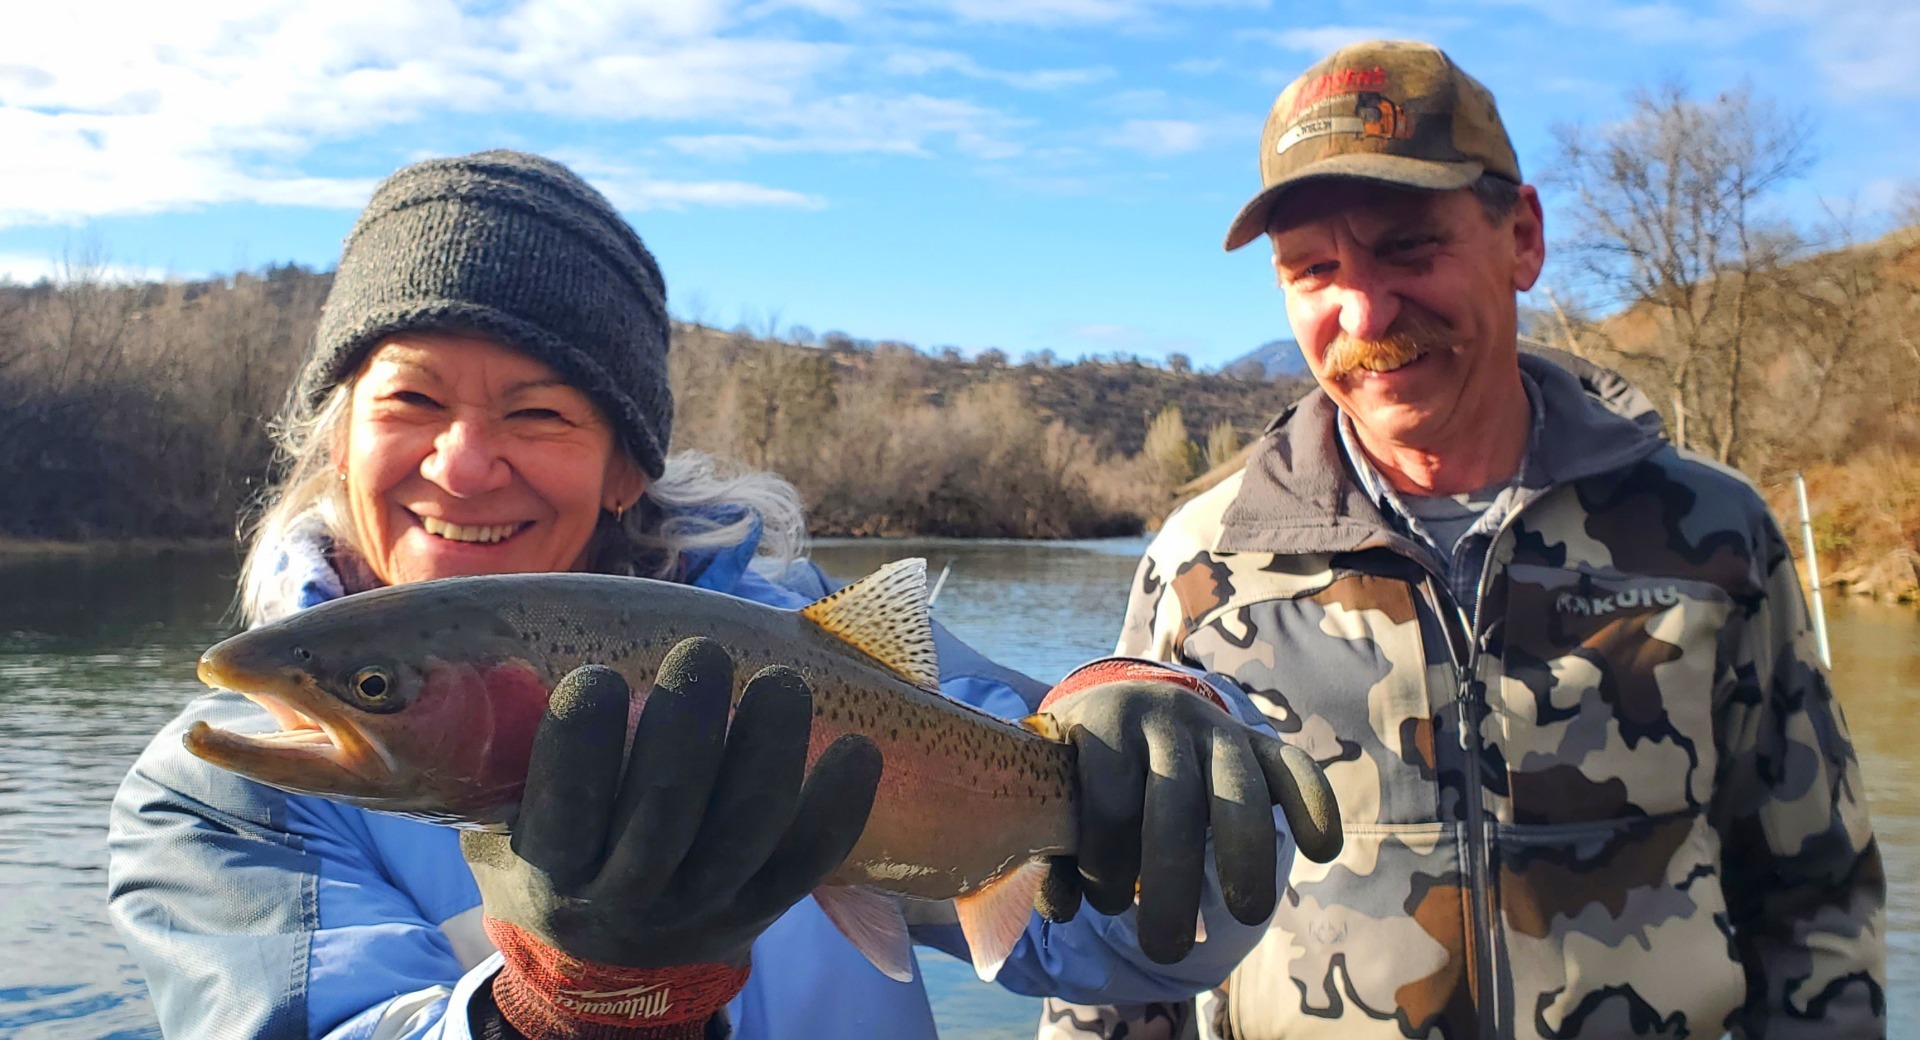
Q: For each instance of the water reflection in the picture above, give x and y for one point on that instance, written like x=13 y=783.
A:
x=1876 y=670
x=96 y=654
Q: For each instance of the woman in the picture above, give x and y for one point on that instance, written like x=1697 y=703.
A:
x=488 y=394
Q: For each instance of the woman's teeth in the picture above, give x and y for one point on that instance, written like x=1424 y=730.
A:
x=488 y=533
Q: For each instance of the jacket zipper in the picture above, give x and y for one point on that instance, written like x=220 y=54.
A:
x=1480 y=940
x=1481 y=845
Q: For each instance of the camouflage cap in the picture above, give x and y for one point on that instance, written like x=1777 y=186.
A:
x=1384 y=110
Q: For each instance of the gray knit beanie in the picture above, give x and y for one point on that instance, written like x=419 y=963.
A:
x=518 y=248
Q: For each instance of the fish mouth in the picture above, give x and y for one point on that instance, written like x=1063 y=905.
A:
x=317 y=748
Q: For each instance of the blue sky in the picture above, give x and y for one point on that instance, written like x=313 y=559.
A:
x=1021 y=174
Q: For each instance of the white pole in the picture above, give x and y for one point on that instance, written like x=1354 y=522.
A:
x=1813 y=573
x=940 y=584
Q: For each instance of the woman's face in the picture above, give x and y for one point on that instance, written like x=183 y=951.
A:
x=463 y=456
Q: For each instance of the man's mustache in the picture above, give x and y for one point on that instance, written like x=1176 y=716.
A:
x=1411 y=336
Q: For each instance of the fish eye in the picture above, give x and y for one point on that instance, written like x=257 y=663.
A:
x=301 y=653
x=373 y=689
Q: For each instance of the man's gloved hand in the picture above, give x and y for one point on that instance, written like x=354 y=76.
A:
x=632 y=887
x=1160 y=759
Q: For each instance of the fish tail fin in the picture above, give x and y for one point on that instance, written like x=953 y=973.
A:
x=872 y=922
x=884 y=615
x=994 y=918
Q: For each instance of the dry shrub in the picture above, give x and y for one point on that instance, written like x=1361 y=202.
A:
x=130 y=411
x=141 y=410
x=1866 y=521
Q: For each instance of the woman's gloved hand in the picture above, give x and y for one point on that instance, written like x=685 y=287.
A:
x=632 y=886
x=1160 y=761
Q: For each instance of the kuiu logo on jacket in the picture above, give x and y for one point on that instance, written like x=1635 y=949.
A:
x=1629 y=599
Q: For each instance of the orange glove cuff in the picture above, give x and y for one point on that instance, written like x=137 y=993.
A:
x=548 y=995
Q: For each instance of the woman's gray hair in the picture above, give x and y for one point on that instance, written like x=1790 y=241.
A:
x=699 y=502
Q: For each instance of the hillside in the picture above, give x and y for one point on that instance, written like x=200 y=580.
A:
x=1811 y=365
x=1275 y=359
x=142 y=411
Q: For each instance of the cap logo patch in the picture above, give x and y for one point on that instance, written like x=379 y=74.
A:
x=1339 y=81
x=1362 y=114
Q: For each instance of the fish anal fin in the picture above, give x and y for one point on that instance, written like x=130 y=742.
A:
x=884 y=615
x=872 y=922
x=994 y=918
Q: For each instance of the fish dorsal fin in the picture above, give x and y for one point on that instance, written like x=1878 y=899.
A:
x=994 y=918
x=872 y=922
x=885 y=616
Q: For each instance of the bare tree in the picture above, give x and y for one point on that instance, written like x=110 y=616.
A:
x=1670 y=214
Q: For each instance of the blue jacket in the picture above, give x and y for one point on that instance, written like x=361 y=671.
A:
x=256 y=913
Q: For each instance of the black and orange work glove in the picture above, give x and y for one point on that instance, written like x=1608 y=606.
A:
x=630 y=891
x=1161 y=764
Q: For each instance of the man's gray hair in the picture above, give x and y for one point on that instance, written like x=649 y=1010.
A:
x=699 y=502
x=1497 y=196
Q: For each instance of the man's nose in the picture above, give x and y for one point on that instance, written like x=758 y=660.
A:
x=466 y=460
x=1368 y=306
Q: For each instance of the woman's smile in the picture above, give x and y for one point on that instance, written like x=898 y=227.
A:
x=464 y=456
x=481 y=533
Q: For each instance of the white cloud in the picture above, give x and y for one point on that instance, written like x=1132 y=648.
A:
x=1861 y=51
x=632 y=190
x=1160 y=137
x=857 y=123
x=137 y=108
x=1166 y=136
x=28 y=269
x=78 y=165
x=922 y=62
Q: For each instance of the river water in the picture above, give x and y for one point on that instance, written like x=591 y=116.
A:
x=97 y=652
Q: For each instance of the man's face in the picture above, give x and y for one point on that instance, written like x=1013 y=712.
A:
x=1403 y=301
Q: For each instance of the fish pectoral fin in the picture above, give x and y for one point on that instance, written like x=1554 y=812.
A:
x=994 y=918
x=872 y=922
x=884 y=615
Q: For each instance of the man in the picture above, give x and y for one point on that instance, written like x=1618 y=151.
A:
x=1593 y=782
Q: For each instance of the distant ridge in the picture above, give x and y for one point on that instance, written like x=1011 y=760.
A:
x=1278 y=359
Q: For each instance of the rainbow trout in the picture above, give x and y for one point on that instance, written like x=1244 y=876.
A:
x=422 y=700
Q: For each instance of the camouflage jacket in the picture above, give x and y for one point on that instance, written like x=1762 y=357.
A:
x=1619 y=801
